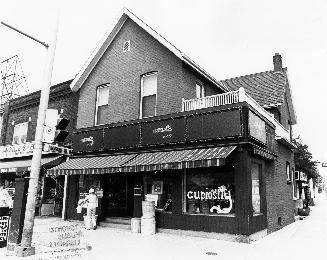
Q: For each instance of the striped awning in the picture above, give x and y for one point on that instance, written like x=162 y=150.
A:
x=14 y=166
x=179 y=159
x=91 y=165
x=150 y=161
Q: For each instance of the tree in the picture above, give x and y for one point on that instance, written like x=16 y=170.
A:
x=304 y=161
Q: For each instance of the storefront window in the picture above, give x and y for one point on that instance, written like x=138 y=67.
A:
x=209 y=191
x=86 y=182
x=255 y=175
x=159 y=190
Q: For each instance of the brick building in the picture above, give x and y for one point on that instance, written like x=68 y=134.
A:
x=153 y=125
x=17 y=136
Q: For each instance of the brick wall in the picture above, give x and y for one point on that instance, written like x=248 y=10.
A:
x=123 y=70
x=279 y=193
x=25 y=109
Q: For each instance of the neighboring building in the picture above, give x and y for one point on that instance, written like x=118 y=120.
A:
x=152 y=124
x=17 y=136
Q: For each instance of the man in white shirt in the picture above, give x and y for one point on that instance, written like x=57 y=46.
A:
x=92 y=204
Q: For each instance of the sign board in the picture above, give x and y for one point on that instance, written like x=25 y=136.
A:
x=257 y=127
x=88 y=141
x=219 y=124
x=163 y=131
x=121 y=136
x=4 y=225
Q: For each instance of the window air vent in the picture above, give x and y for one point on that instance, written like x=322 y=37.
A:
x=127 y=46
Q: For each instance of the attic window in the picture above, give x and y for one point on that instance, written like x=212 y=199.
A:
x=126 y=46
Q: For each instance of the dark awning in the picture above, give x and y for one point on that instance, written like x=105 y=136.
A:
x=92 y=165
x=21 y=165
x=179 y=159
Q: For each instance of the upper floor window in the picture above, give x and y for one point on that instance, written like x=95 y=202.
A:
x=20 y=133
x=148 y=100
x=200 y=90
x=102 y=105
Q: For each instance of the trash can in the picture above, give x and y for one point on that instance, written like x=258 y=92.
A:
x=4 y=226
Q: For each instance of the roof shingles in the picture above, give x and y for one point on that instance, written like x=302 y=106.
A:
x=267 y=88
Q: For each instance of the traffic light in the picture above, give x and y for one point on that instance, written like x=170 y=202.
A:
x=54 y=128
x=61 y=133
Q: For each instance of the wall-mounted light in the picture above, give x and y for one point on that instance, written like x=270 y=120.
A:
x=13 y=123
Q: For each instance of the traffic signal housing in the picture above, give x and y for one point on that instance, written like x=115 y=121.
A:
x=61 y=133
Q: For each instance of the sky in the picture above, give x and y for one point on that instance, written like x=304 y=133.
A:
x=227 y=38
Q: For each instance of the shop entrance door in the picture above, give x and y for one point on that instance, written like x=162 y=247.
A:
x=117 y=195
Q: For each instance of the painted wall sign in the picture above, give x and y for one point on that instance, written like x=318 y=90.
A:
x=219 y=194
x=257 y=127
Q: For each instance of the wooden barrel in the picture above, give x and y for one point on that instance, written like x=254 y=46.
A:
x=136 y=225
x=148 y=226
x=148 y=209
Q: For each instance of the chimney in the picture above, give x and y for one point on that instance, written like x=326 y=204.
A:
x=277 y=59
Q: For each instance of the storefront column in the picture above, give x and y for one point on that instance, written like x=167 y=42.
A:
x=243 y=190
x=138 y=195
x=63 y=216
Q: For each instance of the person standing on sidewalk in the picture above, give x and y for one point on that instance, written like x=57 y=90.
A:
x=92 y=204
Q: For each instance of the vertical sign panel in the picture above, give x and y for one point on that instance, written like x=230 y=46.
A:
x=257 y=127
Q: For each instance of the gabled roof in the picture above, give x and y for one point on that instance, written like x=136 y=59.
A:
x=268 y=88
x=110 y=35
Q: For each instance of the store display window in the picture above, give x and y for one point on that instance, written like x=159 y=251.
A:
x=209 y=191
x=159 y=190
x=86 y=182
x=256 y=176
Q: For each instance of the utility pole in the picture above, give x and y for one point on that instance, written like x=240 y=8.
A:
x=26 y=249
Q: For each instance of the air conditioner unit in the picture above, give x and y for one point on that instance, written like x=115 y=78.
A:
x=297 y=175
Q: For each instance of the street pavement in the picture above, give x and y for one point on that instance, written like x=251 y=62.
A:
x=303 y=239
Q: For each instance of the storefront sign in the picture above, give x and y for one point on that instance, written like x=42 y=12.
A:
x=26 y=149
x=137 y=191
x=122 y=136
x=221 y=193
x=165 y=131
x=219 y=124
x=88 y=141
x=4 y=225
x=17 y=150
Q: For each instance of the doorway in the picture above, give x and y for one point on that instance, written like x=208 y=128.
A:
x=117 y=195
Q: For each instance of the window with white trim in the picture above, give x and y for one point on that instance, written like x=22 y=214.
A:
x=295 y=187
x=148 y=100
x=200 y=90
x=288 y=172
x=102 y=105
x=20 y=133
x=256 y=187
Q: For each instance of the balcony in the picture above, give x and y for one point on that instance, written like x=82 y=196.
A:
x=233 y=97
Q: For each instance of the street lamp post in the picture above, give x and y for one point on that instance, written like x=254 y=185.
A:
x=26 y=249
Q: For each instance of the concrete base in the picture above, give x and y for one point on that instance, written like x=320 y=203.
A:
x=219 y=236
x=24 y=251
x=11 y=247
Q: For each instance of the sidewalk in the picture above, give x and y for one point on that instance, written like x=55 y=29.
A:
x=301 y=240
